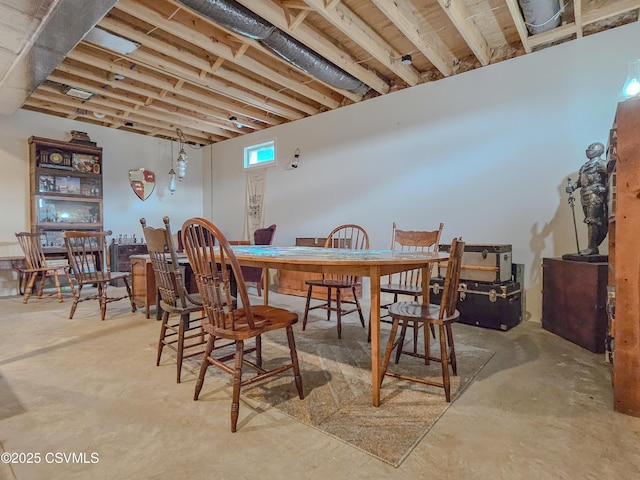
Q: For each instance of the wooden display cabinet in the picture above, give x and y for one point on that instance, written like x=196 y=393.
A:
x=624 y=256
x=66 y=189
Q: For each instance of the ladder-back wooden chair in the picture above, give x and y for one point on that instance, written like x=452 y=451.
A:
x=212 y=268
x=409 y=283
x=38 y=266
x=441 y=316
x=88 y=255
x=178 y=331
x=349 y=237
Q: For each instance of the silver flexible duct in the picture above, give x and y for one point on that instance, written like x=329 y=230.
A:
x=239 y=19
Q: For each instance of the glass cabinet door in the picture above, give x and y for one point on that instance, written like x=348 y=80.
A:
x=58 y=211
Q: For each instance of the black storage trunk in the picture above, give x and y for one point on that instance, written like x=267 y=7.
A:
x=489 y=305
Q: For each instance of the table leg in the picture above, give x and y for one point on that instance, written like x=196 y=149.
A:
x=374 y=318
x=265 y=285
x=426 y=283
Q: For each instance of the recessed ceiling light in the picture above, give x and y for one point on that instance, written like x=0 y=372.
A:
x=111 y=41
x=77 y=93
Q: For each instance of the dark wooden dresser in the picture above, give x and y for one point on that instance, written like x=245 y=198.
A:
x=574 y=298
x=119 y=254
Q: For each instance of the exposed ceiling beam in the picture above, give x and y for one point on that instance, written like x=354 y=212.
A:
x=592 y=15
x=96 y=103
x=221 y=50
x=317 y=42
x=399 y=12
x=457 y=12
x=518 y=20
x=186 y=94
x=577 y=15
x=164 y=83
x=341 y=17
x=171 y=51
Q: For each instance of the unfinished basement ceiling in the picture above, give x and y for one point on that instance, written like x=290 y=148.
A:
x=190 y=72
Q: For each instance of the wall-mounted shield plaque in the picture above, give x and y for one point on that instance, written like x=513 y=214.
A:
x=142 y=182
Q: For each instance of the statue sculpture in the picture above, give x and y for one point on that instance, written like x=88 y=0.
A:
x=592 y=182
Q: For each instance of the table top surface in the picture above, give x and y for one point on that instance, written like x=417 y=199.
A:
x=334 y=255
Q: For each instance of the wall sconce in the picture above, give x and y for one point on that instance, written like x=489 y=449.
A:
x=295 y=163
x=632 y=85
x=181 y=162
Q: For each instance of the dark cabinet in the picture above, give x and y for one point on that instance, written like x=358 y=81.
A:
x=119 y=254
x=574 y=301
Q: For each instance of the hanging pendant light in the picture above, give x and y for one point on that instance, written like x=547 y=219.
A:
x=181 y=162
x=172 y=174
x=632 y=85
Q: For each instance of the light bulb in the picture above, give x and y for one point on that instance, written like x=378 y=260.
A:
x=632 y=85
x=181 y=164
x=172 y=181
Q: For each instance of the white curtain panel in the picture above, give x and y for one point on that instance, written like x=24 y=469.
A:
x=254 y=206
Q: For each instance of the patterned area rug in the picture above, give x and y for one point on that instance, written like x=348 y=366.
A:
x=336 y=376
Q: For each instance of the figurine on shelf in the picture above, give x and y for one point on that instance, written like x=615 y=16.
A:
x=592 y=182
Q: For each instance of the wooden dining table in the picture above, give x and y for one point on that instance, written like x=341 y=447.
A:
x=373 y=264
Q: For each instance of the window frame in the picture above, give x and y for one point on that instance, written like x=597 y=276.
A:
x=255 y=148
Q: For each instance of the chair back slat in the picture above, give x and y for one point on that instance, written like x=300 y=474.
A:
x=348 y=237
x=169 y=277
x=414 y=241
x=452 y=279
x=88 y=256
x=212 y=268
x=33 y=254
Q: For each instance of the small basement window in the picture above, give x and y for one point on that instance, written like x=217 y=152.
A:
x=260 y=155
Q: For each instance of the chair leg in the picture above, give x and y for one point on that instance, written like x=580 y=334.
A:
x=43 y=279
x=237 y=382
x=163 y=332
x=328 y=304
x=338 y=312
x=134 y=307
x=259 y=285
x=184 y=325
x=203 y=366
x=444 y=359
x=76 y=299
x=70 y=281
x=306 y=308
x=403 y=332
x=427 y=341
x=389 y=349
x=259 y=351
x=102 y=298
x=56 y=281
x=452 y=351
x=294 y=362
x=353 y=290
x=29 y=289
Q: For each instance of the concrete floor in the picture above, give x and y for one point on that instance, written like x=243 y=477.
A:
x=540 y=409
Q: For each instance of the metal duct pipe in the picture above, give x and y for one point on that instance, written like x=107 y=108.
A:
x=541 y=15
x=64 y=24
x=239 y=19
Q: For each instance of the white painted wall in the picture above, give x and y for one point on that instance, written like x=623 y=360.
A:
x=122 y=151
x=487 y=152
